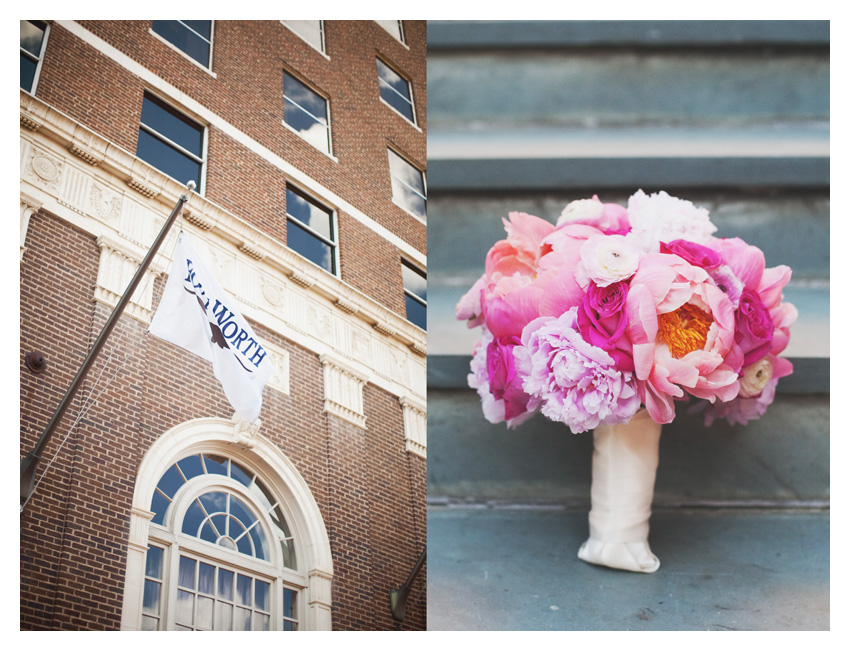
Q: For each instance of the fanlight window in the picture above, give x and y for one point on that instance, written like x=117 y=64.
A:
x=220 y=517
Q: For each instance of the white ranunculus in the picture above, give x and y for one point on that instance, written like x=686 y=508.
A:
x=582 y=209
x=754 y=378
x=607 y=259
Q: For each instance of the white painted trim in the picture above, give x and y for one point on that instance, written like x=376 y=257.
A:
x=220 y=435
x=214 y=120
x=207 y=69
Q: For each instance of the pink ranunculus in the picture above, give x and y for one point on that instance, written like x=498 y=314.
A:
x=693 y=253
x=497 y=361
x=753 y=327
x=742 y=409
x=602 y=319
x=682 y=328
x=578 y=384
x=728 y=283
x=610 y=218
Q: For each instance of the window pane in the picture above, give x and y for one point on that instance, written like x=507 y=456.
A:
x=395 y=90
x=206 y=578
x=288 y=549
x=223 y=617
x=405 y=172
x=167 y=159
x=306 y=112
x=243 y=590
x=150 y=601
x=414 y=282
x=240 y=474
x=309 y=30
x=32 y=34
x=186 y=576
x=309 y=213
x=153 y=562
x=163 y=119
x=261 y=546
x=216 y=465
x=185 y=605
x=170 y=481
x=261 y=622
x=159 y=505
x=192 y=44
x=193 y=519
x=393 y=27
x=241 y=513
x=191 y=466
x=289 y=603
x=205 y=613
x=28 y=67
x=203 y=27
x=215 y=502
x=225 y=585
x=309 y=246
x=417 y=313
x=150 y=623
x=243 y=620
x=261 y=595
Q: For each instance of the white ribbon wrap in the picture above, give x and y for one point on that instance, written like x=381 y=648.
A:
x=625 y=458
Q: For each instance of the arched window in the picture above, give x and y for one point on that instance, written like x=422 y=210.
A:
x=225 y=544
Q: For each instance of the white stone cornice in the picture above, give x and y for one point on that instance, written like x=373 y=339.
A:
x=343 y=389
x=415 y=425
x=118 y=265
x=29 y=205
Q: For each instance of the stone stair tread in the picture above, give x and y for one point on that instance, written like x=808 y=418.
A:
x=768 y=141
x=516 y=569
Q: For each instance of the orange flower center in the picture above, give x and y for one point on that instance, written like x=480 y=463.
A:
x=684 y=330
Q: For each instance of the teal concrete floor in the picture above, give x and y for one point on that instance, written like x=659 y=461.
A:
x=721 y=569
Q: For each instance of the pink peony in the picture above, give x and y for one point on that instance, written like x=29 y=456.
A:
x=682 y=329
x=692 y=253
x=742 y=409
x=578 y=384
x=661 y=218
x=494 y=362
x=510 y=264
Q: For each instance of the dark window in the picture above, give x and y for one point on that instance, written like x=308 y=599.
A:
x=194 y=37
x=309 y=230
x=415 y=294
x=33 y=33
x=395 y=90
x=170 y=141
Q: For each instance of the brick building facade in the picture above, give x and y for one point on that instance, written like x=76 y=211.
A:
x=156 y=507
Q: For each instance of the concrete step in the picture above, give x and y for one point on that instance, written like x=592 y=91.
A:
x=632 y=74
x=516 y=570
x=782 y=458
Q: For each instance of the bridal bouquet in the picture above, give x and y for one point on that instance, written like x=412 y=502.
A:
x=613 y=309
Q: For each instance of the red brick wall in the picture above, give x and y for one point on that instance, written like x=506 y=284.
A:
x=248 y=61
x=74 y=531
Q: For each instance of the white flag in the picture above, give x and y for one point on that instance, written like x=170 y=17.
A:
x=196 y=314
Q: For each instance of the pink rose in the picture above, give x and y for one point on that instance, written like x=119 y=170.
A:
x=753 y=327
x=602 y=320
x=693 y=253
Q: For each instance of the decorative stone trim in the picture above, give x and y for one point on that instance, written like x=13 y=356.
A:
x=29 y=122
x=343 y=390
x=142 y=188
x=244 y=433
x=301 y=279
x=139 y=521
x=384 y=329
x=419 y=349
x=251 y=250
x=320 y=600
x=280 y=360
x=29 y=206
x=415 y=426
x=116 y=269
x=87 y=155
x=346 y=306
x=198 y=219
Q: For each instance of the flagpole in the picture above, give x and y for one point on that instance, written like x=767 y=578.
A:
x=29 y=464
